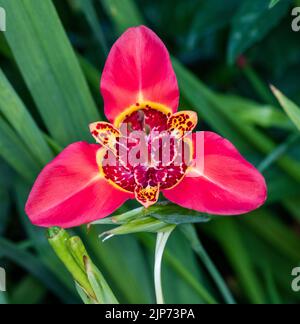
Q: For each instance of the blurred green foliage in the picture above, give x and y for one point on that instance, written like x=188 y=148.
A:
x=225 y=56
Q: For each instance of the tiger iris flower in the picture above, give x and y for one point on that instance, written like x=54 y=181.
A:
x=140 y=90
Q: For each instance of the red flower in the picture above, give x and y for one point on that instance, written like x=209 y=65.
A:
x=203 y=172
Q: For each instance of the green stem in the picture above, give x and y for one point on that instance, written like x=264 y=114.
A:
x=181 y=270
x=162 y=239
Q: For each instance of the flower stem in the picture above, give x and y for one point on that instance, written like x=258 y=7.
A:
x=162 y=238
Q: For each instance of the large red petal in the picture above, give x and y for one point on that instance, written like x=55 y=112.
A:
x=138 y=69
x=223 y=183
x=70 y=190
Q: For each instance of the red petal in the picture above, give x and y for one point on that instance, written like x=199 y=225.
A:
x=226 y=185
x=70 y=190
x=138 y=69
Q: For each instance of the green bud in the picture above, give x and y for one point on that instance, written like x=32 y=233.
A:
x=58 y=239
x=77 y=250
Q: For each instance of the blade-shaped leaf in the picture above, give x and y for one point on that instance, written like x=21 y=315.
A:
x=173 y=214
x=5 y=199
x=165 y=212
x=125 y=13
x=37 y=292
x=237 y=254
x=50 y=69
x=16 y=113
x=191 y=235
x=275 y=232
x=273 y=3
x=4 y=209
x=279 y=151
x=34 y=266
x=291 y=109
x=88 y=9
x=15 y=154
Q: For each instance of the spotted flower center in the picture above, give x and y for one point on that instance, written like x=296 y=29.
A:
x=148 y=152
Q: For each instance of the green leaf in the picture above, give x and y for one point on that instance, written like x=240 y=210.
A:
x=139 y=225
x=20 y=293
x=124 y=13
x=251 y=24
x=16 y=113
x=182 y=287
x=274 y=231
x=271 y=287
x=291 y=109
x=165 y=212
x=4 y=209
x=279 y=151
x=191 y=235
x=15 y=154
x=5 y=199
x=102 y=290
x=88 y=9
x=50 y=69
x=209 y=17
x=259 y=85
x=267 y=259
x=263 y=116
x=174 y=214
x=34 y=266
x=273 y=3
x=281 y=187
x=227 y=232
